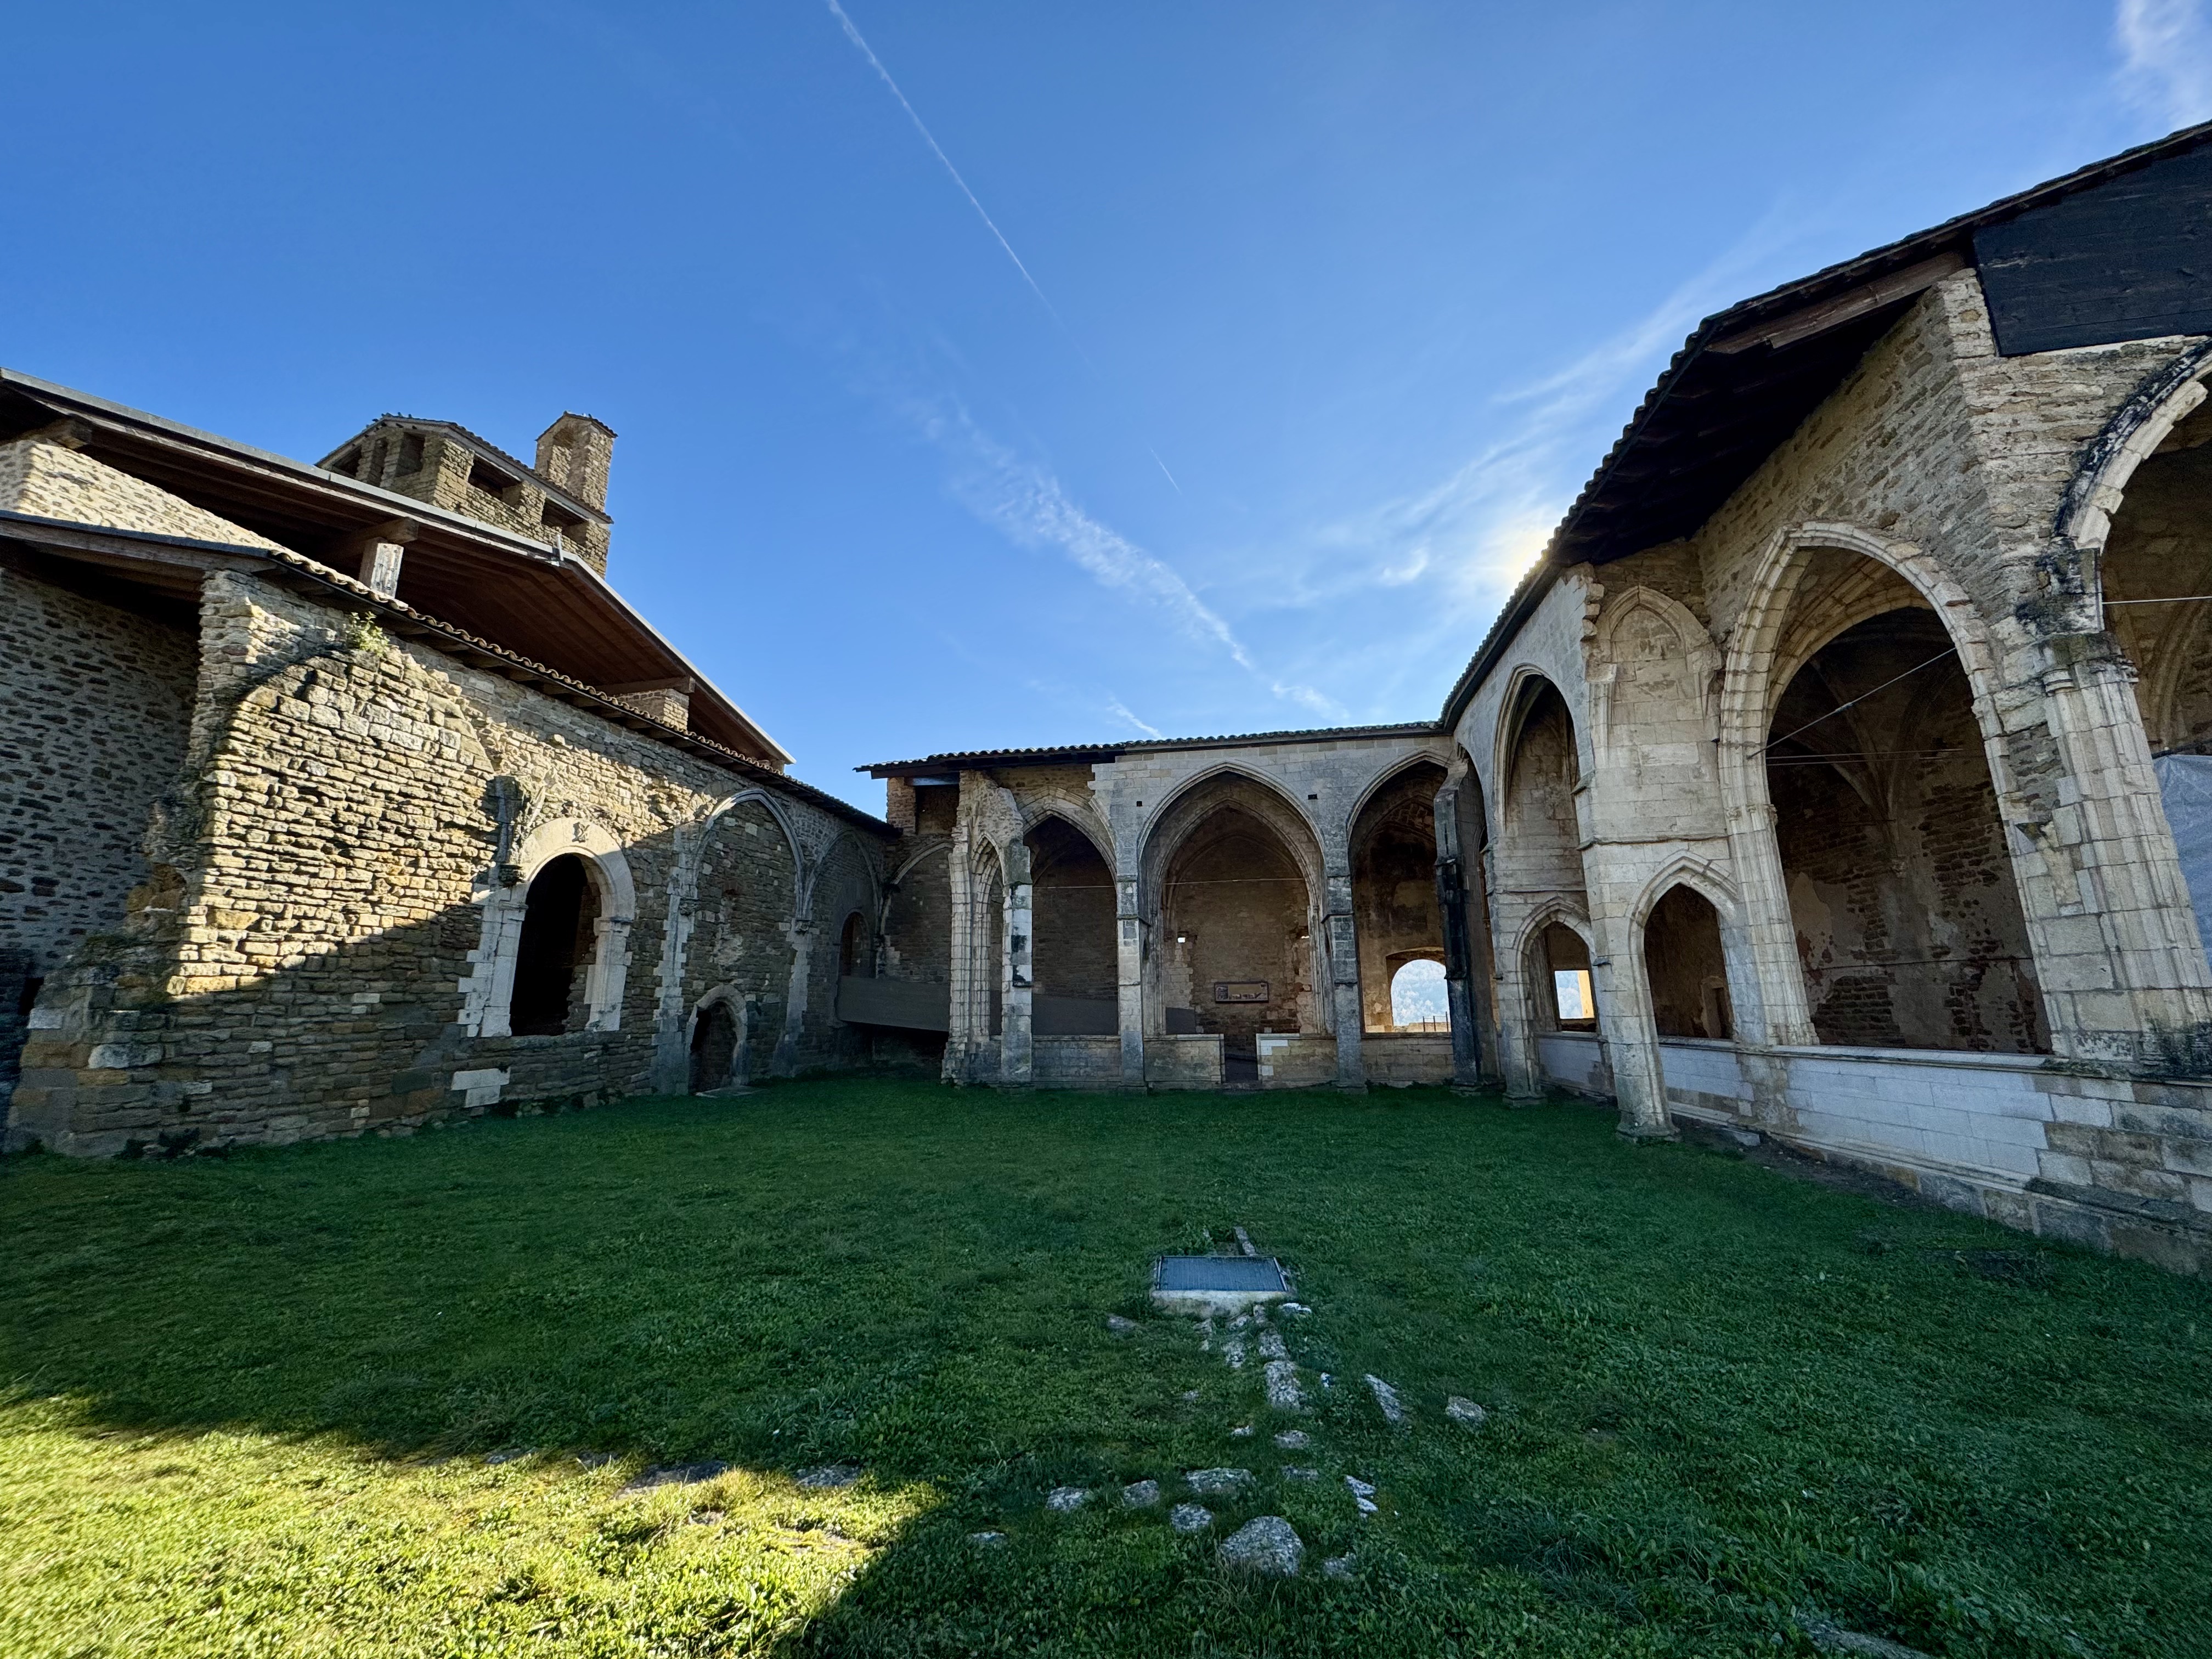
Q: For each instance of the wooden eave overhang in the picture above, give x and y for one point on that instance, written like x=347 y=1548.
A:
x=175 y=565
x=487 y=583
x=1100 y=754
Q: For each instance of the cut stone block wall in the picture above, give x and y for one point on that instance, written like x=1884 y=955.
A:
x=98 y=702
x=1409 y=1059
x=52 y=482
x=2114 y=1164
x=1183 y=1062
x=1078 y=1062
x=306 y=956
x=1296 y=1062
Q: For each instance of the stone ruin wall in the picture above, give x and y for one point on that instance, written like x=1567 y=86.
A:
x=98 y=702
x=294 y=964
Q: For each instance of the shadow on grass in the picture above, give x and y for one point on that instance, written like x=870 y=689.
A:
x=1712 y=1403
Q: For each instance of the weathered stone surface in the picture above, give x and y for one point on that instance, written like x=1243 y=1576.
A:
x=1462 y=1410
x=829 y=1476
x=1065 y=1500
x=1284 y=1394
x=1140 y=1494
x=1269 y=1546
x=1214 y=1483
x=1386 y=1399
x=1190 y=1517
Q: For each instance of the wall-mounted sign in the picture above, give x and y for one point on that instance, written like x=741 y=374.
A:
x=1240 y=990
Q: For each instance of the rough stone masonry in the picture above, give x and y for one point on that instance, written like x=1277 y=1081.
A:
x=1814 y=785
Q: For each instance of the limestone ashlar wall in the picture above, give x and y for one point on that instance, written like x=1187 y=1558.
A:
x=99 y=703
x=313 y=931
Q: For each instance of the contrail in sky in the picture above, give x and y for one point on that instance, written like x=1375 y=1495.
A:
x=937 y=150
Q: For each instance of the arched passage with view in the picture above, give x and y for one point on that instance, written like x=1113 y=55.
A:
x=1234 y=868
x=1074 y=960
x=1909 y=927
x=2155 y=568
x=1396 y=920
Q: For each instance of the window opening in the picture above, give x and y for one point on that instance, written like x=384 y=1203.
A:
x=1572 y=991
x=1417 y=1000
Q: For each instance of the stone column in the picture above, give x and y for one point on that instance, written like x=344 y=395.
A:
x=1129 y=951
x=1343 y=948
x=1451 y=906
x=960 y=965
x=672 y=1061
x=1017 y=1061
x=2117 y=954
x=1769 y=931
x=786 y=1060
x=1624 y=1017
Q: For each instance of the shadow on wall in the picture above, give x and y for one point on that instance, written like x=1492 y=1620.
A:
x=304 y=1051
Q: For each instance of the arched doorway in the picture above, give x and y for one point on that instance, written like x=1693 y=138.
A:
x=1685 y=967
x=1901 y=887
x=2156 y=569
x=986 y=954
x=715 y=1038
x=553 y=957
x=1075 y=963
x=852 y=948
x=1396 y=916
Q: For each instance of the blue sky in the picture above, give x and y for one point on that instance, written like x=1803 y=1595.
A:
x=1251 y=352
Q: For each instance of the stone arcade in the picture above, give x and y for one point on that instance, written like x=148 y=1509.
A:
x=1826 y=778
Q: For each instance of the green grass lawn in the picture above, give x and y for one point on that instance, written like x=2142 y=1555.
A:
x=245 y=1405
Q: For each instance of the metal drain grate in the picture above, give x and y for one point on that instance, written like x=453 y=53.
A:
x=1226 y=1282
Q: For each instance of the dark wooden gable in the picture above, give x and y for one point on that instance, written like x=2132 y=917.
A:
x=2127 y=259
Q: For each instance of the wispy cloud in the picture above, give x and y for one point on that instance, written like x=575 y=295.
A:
x=2166 y=58
x=1025 y=503
x=1477 y=530
x=1120 y=711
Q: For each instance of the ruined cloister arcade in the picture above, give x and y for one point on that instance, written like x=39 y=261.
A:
x=1841 y=771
